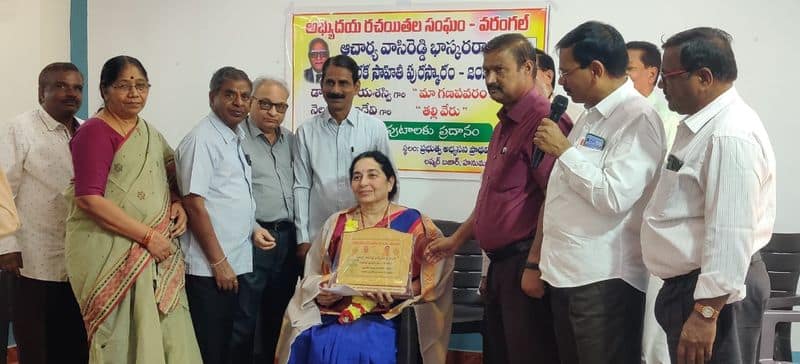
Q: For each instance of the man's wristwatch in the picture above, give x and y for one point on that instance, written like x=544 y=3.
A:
x=707 y=312
x=531 y=265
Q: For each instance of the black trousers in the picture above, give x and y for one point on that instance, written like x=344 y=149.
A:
x=6 y=299
x=272 y=283
x=48 y=326
x=517 y=329
x=738 y=324
x=214 y=313
x=599 y=323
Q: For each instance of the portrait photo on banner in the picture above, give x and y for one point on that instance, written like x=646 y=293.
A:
x=420 y=73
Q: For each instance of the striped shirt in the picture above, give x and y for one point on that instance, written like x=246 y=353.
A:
x=714 y=205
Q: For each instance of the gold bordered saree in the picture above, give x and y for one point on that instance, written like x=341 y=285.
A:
x=134 y=310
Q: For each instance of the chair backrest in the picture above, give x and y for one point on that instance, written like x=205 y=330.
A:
x=782 y=259
x=467 y=271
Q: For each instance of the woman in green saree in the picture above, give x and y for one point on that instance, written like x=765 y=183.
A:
x=124 y=264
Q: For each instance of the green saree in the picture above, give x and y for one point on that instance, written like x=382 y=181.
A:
x=134 y=310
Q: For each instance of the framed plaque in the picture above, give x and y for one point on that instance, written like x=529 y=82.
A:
x=375 y=259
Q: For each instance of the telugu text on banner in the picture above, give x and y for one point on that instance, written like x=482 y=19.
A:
x=420 y=74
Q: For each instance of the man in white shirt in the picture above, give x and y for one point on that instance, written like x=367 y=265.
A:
x=325 y=146
x=546 y=82
x=713 y=208
x=35 y=156
x=604 y=175
x=644 y=64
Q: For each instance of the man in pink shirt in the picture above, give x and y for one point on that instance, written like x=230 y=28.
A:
x=518 y=328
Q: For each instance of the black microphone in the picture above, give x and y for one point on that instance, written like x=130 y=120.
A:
x=557 y=108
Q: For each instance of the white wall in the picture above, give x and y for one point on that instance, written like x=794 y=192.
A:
x=33 y=33
x=181 y=42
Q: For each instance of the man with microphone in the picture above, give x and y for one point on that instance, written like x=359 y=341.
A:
x=604 y=174
x=518 y=329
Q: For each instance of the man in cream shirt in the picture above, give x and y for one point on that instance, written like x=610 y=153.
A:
x=34 y=155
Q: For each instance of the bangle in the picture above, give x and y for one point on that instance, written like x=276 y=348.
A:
x=148 y=237
x=214 y=265
x=531 y=265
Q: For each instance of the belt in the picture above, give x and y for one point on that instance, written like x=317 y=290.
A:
x=682 y=277
x=754 y=259
x=280 y=225
x=510 y=250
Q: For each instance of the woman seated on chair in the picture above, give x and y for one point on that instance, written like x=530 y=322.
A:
x=323 y=327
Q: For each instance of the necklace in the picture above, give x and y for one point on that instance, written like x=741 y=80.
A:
x=385 y=216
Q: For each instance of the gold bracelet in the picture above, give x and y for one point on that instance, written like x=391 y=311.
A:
x=148 y=237
x=214 y=265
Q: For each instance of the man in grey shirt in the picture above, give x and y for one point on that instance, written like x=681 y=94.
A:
x=325 y=146
x=268 y=149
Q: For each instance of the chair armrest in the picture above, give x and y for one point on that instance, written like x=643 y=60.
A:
x=771 y=318
x=785 y=303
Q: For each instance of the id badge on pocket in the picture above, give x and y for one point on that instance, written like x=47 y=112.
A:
x=595 y=142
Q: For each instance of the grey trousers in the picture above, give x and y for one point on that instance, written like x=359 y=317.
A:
x=738 y=324
x=599 y=323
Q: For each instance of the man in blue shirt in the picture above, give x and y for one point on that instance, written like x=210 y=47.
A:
x=325 y=146
x=215 y=180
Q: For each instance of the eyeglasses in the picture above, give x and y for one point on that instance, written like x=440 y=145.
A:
x=318 y=54
x=128 y=87
x=266 y=105
x=670 y=74
x=562 y=74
